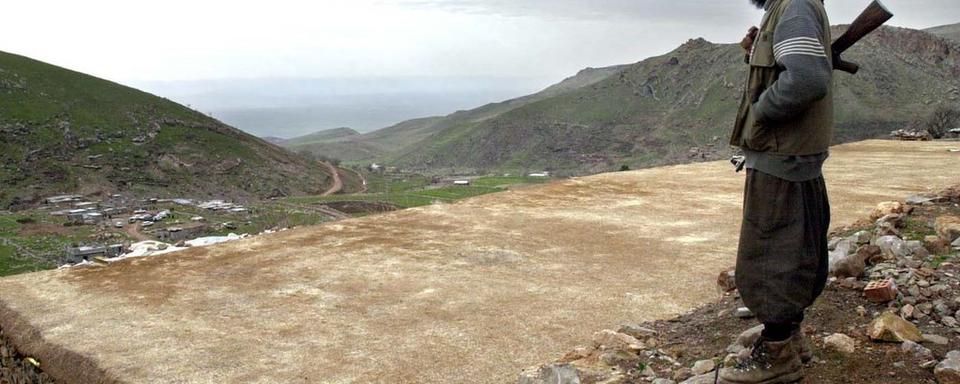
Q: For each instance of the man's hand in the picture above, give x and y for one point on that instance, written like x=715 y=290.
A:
x=747 y=42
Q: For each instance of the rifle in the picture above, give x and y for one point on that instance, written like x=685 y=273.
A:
x=868 y=21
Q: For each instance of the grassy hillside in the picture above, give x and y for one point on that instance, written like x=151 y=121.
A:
x=951 y=31
x=654 y=112
x=63 y=131
x=377 y=145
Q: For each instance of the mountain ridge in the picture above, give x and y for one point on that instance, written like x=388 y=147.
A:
x=63 y=131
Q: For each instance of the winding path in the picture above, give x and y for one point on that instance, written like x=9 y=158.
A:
x=337 y=183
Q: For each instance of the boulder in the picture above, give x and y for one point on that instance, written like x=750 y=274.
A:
x=892 y=328
x=948 y=227
x=948 y=371
x=841 y=343
x=663 y=381
x=895 y=220
x=870 y=253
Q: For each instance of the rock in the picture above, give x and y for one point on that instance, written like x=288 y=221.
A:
x=936 y=339
x=682 y=374
x=743 y=313
x=843 y=264
x=840 y=343
x=861 y=238
x=702 y=379
x=894 y=219
x=948 y=227
x=886 y=208
x=906 y=311
x=607 y=340
x=619 y=358
x=956 y=243
x=550 y=374
x=871 y=253
x=664 y=381
x=833 y=242
x=949 y=321
x=935 y=244
x=892 y=247
x=638 y=332
x=948 y=371
x=727 y=281
x=917 y=350
x=920 y=200
x=576 y=354
x=703 y=366
x=890 y=327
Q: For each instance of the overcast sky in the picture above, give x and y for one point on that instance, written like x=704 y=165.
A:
x=134 y=41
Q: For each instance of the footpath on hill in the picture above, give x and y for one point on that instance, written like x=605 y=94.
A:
x=468 y=292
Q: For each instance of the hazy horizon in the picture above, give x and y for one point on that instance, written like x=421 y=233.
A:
x=532 y=43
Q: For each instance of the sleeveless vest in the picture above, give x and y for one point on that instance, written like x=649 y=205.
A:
x=807 y=133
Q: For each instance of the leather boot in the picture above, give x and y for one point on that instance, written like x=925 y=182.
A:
x=769 y=362
x=749 y=337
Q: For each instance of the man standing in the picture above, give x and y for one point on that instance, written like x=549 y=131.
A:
x=784 y=126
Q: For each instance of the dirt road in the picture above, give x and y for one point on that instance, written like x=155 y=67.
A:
x=452 y=293
x=337 y=183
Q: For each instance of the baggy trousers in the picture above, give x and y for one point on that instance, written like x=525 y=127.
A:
x=782 y=260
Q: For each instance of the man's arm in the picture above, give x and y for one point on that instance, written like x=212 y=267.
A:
x=807 y=71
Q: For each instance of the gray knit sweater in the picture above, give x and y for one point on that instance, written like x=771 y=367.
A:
x=805 y=79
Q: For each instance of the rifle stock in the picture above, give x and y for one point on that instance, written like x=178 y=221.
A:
x=869 y=20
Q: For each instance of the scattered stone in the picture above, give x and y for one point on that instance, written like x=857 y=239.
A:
x=949 y=321
x=881 y=291
x=743 y=313
x=948 y=227
x=894 y=219
x=892 y=247
x=861 y=238
x=936 y=339
x=887 y=208
x=890 y=327
x=703 y=366
x=682 y=374
x=871 y=253
x=862 y=311
x=840 y=343
x=638 y=332
x=664 y=381
x=917 y=350
x=948 y=371
x=550 y=374
x=920 y=200
x=843 y=264
x=607 y=339
x=906 y=311
x=727 y=281
x=702 y=379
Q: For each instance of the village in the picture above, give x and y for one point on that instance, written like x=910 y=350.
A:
x=153 y=222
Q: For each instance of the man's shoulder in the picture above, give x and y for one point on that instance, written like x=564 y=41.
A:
x=803 y=8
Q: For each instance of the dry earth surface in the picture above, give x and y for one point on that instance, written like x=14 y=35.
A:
x=461 y=293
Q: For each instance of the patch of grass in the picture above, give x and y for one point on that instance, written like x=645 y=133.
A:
x=10 y=264
x=940 y=259
x=457 y=192
x=915 y=229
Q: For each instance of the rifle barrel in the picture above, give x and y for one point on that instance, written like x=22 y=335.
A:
x=872 y=18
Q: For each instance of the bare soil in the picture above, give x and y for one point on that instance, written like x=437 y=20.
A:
x=469 y=292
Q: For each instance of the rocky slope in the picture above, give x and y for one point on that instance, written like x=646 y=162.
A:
x=655 y=111
x=951 y=31
x=63 y=132
x=862 y=331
